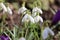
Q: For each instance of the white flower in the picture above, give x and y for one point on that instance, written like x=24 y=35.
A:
x=3 y=7
x=46 y=32
x=9 y=10
x=22 y=10
x=31 y=19
x=22 y=38
x=27 y=18
x=35 y=10
x=38 y=18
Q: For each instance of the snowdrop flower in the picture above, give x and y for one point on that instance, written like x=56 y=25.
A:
x=46 y=32
x=22 y=10
x=9 y=10
x=31 y=19
x=35 y=10
x=27 y=18
x=22 y=38
x=38 y=18
x=3 y=7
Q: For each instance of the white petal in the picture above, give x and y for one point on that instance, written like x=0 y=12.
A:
x=31 y=19
x=22 y=38
x=51 y=32
x=25 y=18
x=28 y=17
x=35 y=10
x=40 y=11
x=41 y=19
x=9 y=10
x=3 y=6
x=22 y=10
x=45 y=33
x=38 y=18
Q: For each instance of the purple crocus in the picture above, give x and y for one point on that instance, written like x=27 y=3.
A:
x=56 y=18
x=4 y=37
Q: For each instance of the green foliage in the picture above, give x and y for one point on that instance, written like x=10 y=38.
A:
x=2 y=0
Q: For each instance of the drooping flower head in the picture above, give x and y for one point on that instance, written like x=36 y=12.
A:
x=9 y=10
x=3 y=7
x=27 y=18
x=35 y=11
x=22 y=10
x=38 y=18
x=46 y=32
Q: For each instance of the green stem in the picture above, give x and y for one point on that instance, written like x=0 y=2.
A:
x=26 y=32
x=35 y=3
x=14 y=33
x=22 y=33
x=41 y=32
x=23 y=5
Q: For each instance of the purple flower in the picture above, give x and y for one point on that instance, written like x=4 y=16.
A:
x=56 y=18
x=4 y=37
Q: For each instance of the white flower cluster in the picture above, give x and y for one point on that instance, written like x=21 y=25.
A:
x=31 y=18
x=23 y=10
